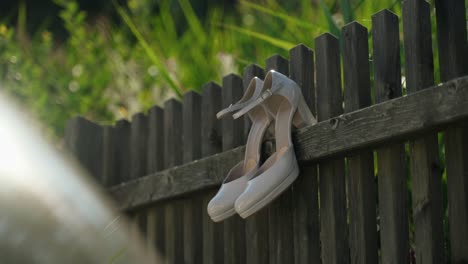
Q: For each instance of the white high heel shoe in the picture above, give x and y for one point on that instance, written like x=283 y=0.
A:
x=222 y=204
x=283 y=99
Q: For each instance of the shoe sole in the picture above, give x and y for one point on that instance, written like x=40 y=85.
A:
x=280 y=188
x=223 y=215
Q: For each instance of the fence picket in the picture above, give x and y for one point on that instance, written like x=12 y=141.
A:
x=138 y=145
x=155 y=161
x=211 y=144
x=361 y=185
x=234 y=227
x=305 y=189
x=122 y=136
x=424 y=157
x=256 y=226
x=453 y=51
x=84 y=140
x=193 y=207
x=173 y=211
x=252 y=70
x=280 y=210
x=393 y=190
x=108 y=156
x=334 y=228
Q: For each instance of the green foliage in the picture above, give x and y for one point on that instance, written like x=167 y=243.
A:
x=107 y=71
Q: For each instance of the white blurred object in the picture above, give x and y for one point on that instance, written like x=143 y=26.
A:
x=50 y=211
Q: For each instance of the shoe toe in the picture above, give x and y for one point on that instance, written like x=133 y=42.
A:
x=218 y=206
x=245 y=201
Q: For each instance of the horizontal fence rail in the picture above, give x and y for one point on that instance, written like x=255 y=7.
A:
x=384 y=176
x=382 y=124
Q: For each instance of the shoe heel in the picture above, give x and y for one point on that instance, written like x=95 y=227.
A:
x=303 y=117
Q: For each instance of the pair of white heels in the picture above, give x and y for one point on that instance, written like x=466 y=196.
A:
x=250 y=186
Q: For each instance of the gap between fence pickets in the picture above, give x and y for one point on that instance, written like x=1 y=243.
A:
x=395 y=120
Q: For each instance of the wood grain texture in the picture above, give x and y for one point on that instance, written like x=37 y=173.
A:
x=234 y=227
x=193 y=232
x=256 y=226
x=453 y=49
x=393 y=121
x=191 y=126
x=156 y=226
x=213 y=234
x=138 y=145
x=211 y=140
x=393 y=190
x=424 y=157
x=306 y=226
x=173 y=210
x=155 y=143
x=174 y=231
x=172 y=133
x=361 y=184
x=108 y=156
x=252 y=70
x=155 y=214
x=122 y=148
x=192 y=207
x=83 y=139
x=232 y=129
x=280 y=210
x=333 y=223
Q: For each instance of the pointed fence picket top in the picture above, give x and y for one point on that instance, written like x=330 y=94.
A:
x=392 y=186
x=164 y=166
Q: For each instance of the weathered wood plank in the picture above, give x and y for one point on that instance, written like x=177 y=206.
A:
x=191 y=126
x=155 y=214
x=389 y=122
x=393 y=190
x=453 y=49
x=211 y=127
x=234 y=227
x=138 y=145
x=84 y=140
x=108 y=156
x=211 y=140
x=333 y=223
x=213 y=235
x=155 y=160
x=193 y=233
x=193 y=207
x=173 y=210
x=252 y=70
x=306 y=224
x=122 y=160
x=280 y=210
x=256 y=226
x=174 y=231
x=361 y=185
x=172 y=133
x=424 y=157
x=156 y=229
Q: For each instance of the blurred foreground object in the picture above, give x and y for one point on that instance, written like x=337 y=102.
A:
x=50 y=211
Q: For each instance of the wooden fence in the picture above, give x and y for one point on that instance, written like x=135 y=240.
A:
x=360 y=198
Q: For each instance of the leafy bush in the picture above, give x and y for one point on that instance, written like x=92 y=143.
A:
x=108 y=71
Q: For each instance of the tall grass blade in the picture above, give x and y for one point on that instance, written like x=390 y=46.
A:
x=149 y=51
x=281 y=15
x=273 y=41
x=347 y=11
x=193 y=21
x=333 y=27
